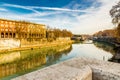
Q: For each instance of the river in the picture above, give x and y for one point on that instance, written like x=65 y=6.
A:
x=14 y=64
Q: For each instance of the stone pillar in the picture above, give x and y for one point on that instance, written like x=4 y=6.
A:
x=8 y=34
x=4 y=34
x=16 y=36
x=27 y=35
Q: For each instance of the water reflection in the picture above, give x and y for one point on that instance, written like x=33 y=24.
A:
x=30 y=60
x=9 y=57
x=90 y=51
x=105 y=46
x=110 y=48
x=20 y=63
x=26 y=61
x=55 y=57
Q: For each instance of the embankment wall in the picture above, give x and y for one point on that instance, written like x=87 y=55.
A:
x=76 y=69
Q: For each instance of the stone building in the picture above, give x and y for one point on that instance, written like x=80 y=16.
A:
x=21 y=30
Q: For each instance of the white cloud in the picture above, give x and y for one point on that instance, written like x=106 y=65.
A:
x=61 y=9
x=19 y=6
x=94 y=19
x=3 y=9
x=98 y=19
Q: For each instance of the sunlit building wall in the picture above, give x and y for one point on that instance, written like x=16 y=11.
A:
x=21 y=30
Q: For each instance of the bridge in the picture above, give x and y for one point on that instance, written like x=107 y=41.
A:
x=80 y=37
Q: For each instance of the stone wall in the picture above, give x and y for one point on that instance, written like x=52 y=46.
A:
x=9 y=43
x=59 y=72
x=101 y=70
x=23 y=44
x=76 y=69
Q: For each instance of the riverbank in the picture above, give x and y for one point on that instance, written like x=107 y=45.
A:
x=76 y=69
x=31 y=60
x=22 y=62
x=116 y=57
x=115 y=50
x=35 y=46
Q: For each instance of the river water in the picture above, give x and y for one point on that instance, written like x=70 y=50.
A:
x=14 y=64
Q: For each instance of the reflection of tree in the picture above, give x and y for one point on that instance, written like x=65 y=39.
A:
x=31 y=59
x=12 y=57
x=105 y=46
x=66 y=51
x=54 y=57
x=26 y=63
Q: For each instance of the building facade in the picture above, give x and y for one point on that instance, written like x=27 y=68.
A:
x=21 y=30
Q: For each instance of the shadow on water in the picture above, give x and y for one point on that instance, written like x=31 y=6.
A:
x=116 y=57
x=105 y=46
x=110 y=48
x=18 y=63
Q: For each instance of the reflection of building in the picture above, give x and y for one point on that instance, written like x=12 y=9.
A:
x=13 y=56
x=21 y=29
x=17 y=63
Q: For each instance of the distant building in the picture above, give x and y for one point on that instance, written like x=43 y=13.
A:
x=21 y=30
x=76 y=37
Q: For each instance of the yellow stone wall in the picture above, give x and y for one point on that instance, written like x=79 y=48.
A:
x=21 y=29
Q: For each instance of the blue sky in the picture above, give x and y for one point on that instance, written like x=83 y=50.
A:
x=79 y=16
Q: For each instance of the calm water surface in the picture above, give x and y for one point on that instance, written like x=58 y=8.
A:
x=18 y=63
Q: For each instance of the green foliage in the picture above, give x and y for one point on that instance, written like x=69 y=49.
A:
x=115 y=14
x=55 y=33
x=106 y=33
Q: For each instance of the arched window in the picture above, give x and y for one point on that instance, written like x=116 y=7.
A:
x=10 y=35
x=32 y=35
x=25 y=35
x=2 y=35
x=13 y=35
x=6 y=35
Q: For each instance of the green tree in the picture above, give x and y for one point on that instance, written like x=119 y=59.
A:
x=115 y=14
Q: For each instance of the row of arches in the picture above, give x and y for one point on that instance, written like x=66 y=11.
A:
x=21 y=35
x=7 y=35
